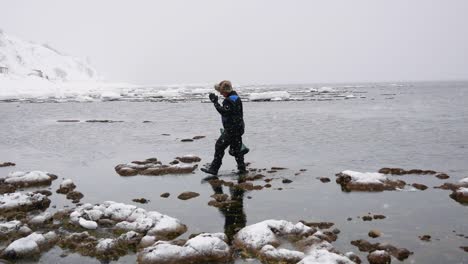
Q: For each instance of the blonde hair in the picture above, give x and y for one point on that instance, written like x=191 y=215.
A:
x=224 y=87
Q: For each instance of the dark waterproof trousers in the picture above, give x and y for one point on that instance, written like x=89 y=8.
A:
x=224 y=141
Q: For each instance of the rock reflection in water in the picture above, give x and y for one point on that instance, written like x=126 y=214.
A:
x=232 y=209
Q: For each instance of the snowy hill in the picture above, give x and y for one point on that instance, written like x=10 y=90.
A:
x=23 y=58
x=31 y=72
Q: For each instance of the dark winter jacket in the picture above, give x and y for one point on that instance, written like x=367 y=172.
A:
x=232 y=114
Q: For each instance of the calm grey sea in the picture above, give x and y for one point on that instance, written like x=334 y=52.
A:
x=418 y=125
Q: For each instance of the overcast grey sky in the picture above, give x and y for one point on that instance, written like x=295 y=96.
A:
x=252 y=41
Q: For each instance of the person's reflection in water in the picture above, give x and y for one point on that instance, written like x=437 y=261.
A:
x=232 y=209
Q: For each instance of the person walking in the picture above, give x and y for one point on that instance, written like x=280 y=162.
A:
x=232 y=117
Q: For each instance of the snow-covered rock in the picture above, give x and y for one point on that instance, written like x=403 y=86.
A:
x=460 y=195
x=41 y=218
x=367 y=181
x=379 y=257
x=270 y=96
x=88 y=224
x=30 y=245
x=128 y=218
x=203 y=248
x=12 y=229
x=255 y=237
x=32 y=178
x=23 y=202
x=464 y=180
x=269 y=254
x=66 y=186
x=322 y=256
x=154 y=167
x=264 y=240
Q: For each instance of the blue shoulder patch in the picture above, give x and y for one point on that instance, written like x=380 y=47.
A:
x=233 y=98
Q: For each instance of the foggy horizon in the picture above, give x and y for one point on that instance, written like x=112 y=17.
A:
x=261 y=42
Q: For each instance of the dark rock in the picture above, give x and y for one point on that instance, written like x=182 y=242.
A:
x=187 y=195
x=174 y=162
x=425 y=237
x=7 y=164
x=349 y=219
x=336 y=231
x=271 y=171
x=103 y=222
x=187 y=140
x=302 y=170
x=165 y=134
x=278 y=168
x=379 y=217
x=324 y=179
x=82 y=243
x=320 y=225
x=189 y=159
x=442 y=176
x=268 y=179
x=364 y=245
x=379 y=257
x=165 y=195
x=198 y=137
x=68 y=121
x=367 y=218
x=374 y=233
x=247 y=186
x=279 y=189
x=255 y=177
x=267 y=185
x=44 y=192
x=353 y=257
x=451 y=186
x=103 y=121
x=6 y=188
x=75 y=196
x=464 y=248
x=140 y=200
x=399 y=171
x=399 y=253
x=220 y=197
x=419 y=186
x=287 y=181
x=147 y=121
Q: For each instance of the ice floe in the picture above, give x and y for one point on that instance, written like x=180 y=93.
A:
x=270 y=96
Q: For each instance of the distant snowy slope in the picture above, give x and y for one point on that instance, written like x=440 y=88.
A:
x=21 y=58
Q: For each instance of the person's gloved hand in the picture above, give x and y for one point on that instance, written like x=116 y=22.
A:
x=213 y=97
